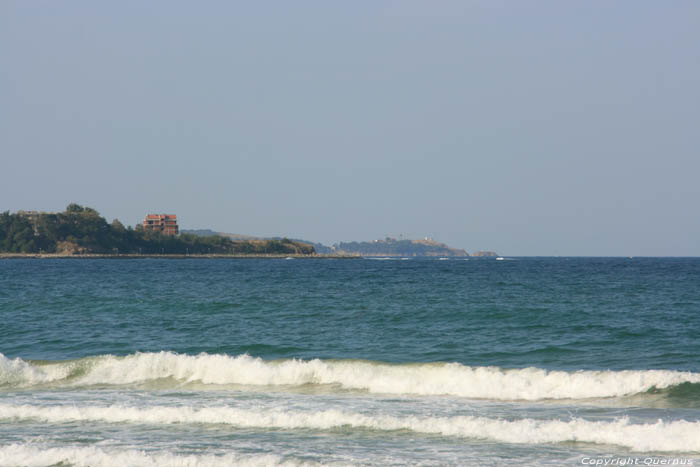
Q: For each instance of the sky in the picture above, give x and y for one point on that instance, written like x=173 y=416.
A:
x=526 y=127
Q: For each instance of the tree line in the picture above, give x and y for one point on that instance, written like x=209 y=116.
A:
x=81 y=229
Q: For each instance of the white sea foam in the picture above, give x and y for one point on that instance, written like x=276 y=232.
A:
x=17 y=372
x=32 y=455
x=670 y=436
x=415 y=378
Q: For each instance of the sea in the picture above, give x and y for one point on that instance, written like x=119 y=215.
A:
x=321 y=361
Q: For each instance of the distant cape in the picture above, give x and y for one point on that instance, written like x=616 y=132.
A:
x=383 y=247
x=394 y=247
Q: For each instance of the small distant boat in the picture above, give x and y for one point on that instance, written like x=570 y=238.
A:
x=288 y=257
x=500 y=258
x=444 y=259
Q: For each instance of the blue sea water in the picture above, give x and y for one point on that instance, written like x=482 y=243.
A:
x=559 y=361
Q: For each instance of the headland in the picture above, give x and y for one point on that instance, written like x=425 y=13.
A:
x=80 y=232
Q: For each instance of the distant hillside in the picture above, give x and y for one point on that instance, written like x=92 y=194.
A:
x=386 y=247
x=212 y=233
x=393 y=247
x=318 y=247
x=485 y=254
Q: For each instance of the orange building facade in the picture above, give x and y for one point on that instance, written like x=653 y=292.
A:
x=165 y=223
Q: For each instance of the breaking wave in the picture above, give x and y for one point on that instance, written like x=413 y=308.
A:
x=669 y=436
x=412 y=378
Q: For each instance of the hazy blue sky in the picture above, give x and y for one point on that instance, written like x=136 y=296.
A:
x=526 y=127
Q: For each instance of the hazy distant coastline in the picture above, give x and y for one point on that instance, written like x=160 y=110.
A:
x=81 y=232
x=387 y=247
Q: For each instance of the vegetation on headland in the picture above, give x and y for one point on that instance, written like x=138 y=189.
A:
x=485 y=254
x=81 y=230
x=386 y=247
x=394 y=247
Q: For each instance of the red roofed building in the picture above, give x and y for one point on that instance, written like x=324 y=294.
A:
x=165 y=223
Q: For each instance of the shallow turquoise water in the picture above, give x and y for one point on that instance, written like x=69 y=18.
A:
x=265 y=361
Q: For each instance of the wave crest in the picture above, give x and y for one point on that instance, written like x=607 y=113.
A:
x=413 y=378
x=670 y=436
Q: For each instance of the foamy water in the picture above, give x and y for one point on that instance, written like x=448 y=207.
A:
x=251 y=406
x=31 y=455
x=680 y=436
x=421 y=379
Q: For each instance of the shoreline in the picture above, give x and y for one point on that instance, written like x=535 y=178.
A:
x=169 y=256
